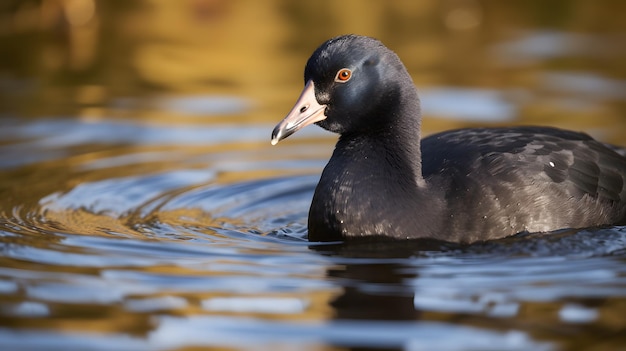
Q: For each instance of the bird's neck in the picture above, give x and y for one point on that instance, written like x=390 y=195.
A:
x=395 y=155
x=369 y=183
x=394 y=143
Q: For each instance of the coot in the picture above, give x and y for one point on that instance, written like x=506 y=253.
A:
x=461 y=186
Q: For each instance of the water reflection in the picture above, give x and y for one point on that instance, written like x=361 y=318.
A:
x=143 y=207
x=207 y=47
x=424 y=281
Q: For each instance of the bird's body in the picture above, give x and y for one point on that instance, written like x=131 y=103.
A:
x=463 y=186
x=524 y=179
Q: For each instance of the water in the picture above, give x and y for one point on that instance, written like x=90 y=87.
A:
x=143 y=208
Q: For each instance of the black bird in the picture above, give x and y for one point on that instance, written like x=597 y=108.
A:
x=461 y=186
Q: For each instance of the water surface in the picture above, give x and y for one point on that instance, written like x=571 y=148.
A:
x=143 y=208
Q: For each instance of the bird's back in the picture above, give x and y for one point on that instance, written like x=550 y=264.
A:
x=501 y=181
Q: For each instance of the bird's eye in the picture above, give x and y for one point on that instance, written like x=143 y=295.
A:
x=343 y=75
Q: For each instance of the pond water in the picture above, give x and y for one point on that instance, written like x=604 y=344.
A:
x=142 y=206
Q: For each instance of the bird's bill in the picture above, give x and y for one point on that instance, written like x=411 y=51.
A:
x=306 y=111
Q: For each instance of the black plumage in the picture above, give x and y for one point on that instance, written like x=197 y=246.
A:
x=463 y=186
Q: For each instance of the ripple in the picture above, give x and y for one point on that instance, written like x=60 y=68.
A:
x=177 y=332
x=173 y=333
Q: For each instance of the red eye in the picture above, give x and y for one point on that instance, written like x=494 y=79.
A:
x=343 y=75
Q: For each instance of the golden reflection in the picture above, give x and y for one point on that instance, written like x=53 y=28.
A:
x=79 y=12
x=463 y=15
x=91 y=94
x=257 y=50
x=92 y=224
x=100 y=59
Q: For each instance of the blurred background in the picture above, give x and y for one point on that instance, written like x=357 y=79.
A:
x=531 y=62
